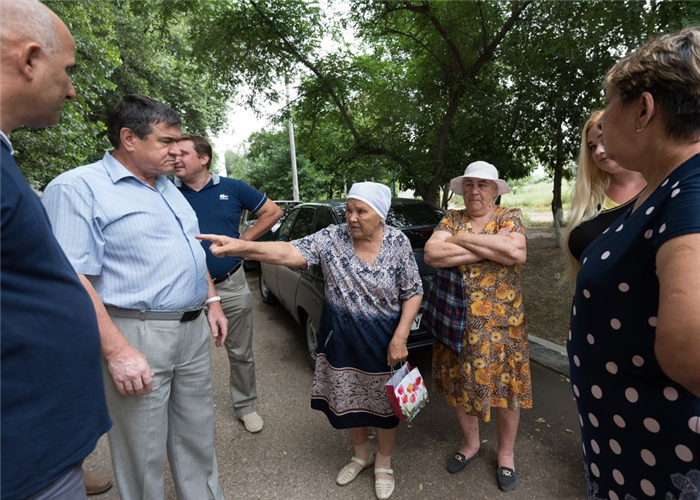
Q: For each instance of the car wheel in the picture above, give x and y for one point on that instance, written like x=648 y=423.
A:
x=265 y=293
x=311 y=341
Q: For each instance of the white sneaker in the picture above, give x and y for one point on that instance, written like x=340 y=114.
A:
x=252 y=422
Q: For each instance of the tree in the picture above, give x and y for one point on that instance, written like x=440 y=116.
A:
x=269 y=169
x=120 y=49
x=397 y=102
x=569 y=47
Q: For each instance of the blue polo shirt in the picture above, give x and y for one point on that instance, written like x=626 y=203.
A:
x=218 y=206
x=52 y=402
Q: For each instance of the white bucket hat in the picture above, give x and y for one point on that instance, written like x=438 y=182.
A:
x=479 y=170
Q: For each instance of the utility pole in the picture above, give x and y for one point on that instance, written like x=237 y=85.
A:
x=292 y=147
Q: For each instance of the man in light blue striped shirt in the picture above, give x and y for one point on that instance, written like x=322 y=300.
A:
x=129 y=233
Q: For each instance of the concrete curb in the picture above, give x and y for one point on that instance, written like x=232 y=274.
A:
x=549 y=354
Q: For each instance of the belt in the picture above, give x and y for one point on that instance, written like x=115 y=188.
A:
x=182 y=316
x=226 y=276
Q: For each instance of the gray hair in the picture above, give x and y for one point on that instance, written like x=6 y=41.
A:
x=41 y=28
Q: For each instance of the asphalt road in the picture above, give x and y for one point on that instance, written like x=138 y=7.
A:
x=298 y=454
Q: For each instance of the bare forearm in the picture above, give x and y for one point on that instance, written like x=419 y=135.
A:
x=262 y=226
x=677 y=344
x=268 y=215
x=275 y=252
x=679 y=359
x=409 y=309
x=444 y=254
x=110 y=336
x=505 y=249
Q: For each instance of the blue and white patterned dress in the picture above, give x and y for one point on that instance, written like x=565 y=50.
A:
x=640 y=429
x=361 y=310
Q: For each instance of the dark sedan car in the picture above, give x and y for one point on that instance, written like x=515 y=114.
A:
x=248 y=220
x=301 y=293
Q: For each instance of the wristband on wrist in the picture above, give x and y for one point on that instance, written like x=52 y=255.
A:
x=215 y=298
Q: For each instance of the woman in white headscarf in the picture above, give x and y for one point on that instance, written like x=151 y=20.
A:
x=373 y=292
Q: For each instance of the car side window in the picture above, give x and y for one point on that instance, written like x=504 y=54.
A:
x=323 y=219
x=304 y=224
x=286 y=227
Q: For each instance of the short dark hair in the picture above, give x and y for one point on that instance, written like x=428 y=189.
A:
x=201 y=146
x=138 y=113
x=668 y=68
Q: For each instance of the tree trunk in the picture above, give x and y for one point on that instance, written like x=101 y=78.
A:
x=557 y=207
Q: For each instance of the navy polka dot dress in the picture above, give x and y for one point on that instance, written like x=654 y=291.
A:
x=640 y=430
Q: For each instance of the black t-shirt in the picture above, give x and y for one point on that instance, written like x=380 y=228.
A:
x=584 y=234
x=52 y=395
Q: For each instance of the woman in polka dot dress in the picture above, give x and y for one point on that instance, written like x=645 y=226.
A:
x=634 y=343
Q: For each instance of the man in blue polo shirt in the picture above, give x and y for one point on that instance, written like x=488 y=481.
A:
x=218 y=202
x=53 y=402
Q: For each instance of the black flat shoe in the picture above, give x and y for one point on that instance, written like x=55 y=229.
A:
x=458 y=462
x=507 y=478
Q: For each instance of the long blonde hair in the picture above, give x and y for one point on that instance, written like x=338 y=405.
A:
x=588 y=195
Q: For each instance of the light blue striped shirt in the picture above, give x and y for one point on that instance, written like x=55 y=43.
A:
x=135 y=243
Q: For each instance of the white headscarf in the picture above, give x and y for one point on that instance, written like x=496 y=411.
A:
x=377 y=196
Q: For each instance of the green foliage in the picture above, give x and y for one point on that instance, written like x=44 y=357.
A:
x=422 y=89
x=269 y=170
x=79 y=138
x=535 y=196
x=235 y=164
x=120 y=49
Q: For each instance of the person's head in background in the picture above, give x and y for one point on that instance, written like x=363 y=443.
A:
x=37 y=54
x=653 y=104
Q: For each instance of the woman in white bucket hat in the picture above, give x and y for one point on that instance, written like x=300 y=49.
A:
x=479 y=170
x=475 y=311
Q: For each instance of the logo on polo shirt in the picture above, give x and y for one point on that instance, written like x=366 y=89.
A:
x=223 y=197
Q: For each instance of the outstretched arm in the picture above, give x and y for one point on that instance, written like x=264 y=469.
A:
x=280 y=253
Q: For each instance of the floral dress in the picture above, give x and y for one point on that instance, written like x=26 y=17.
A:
x=640 y=429
x=361 y=310
x=493 y=369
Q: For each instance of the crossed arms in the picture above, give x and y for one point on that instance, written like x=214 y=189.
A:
x=444 y=249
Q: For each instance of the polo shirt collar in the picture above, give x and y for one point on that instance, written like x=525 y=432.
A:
x=215 y=179
x=6 y=140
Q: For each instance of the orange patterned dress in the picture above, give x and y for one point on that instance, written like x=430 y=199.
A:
x=493 y=369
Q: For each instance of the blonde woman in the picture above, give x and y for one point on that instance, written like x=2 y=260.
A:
x=603 y=190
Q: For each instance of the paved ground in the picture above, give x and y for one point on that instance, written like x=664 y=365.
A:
x=298 y=454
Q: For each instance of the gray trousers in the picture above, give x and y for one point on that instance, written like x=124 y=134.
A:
x=177 y=416
x=237 y=302
x=68 y=486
